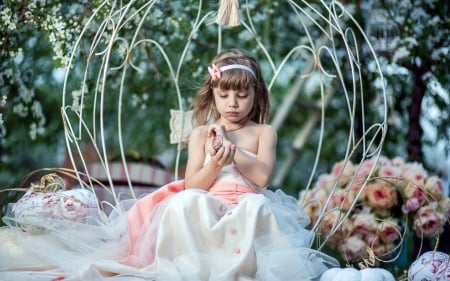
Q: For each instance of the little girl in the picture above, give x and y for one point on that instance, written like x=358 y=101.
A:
x=224 y=224
x=220 y=223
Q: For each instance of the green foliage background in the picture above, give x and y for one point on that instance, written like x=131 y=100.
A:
x=37 y=38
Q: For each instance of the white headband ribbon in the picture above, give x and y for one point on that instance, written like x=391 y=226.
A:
x=237 y=66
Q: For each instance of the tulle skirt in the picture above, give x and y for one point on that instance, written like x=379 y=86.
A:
x=183 y=235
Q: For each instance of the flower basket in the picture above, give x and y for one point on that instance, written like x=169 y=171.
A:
x=363 y=211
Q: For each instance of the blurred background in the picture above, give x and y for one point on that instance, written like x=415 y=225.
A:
x=405 y=86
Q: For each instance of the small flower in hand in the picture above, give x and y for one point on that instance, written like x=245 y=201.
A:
x=217 y=143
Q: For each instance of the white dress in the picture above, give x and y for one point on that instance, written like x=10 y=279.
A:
x=232 y=232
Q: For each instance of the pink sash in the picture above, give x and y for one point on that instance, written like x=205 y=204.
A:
x=229 y=191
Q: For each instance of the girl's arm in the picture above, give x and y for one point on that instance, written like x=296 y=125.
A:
x=199 y=175
x=259 y=170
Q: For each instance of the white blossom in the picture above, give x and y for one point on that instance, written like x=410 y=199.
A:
x=8 y=18
x=26 y=95
x=36 y=109
x=3 y=100
x=35 y=130
x=77 y=97
x=400 y=54
x=20 y=109
x=135 y=100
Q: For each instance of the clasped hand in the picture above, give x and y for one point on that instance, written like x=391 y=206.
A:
x=222 y=150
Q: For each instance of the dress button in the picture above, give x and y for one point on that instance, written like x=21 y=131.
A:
x=237 y=250
x=232 y=230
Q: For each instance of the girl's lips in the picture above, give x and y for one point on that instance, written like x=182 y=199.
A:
x=232 y=113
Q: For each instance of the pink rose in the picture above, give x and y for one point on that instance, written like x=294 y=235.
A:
x=419 y=193
x=383 y=160
x=329 y=220
x=391 y=174
x=325 y=181
x=434 y=188
x=372 y=240
x=365 y=168
x=343 y=172
x=414 y=173
x=389 y=171
x=313 y=201
x=383 y=250
x=353 y=249
x=312 y=209
x=342 y=199
x=72 y=208
x=389 y=231
x=319 y=195
x=411 y=205
x=414 y=191
x=444 y=206
x=357 y=192
x=398 y=161
x=365 y=223
x=347 y=227
x=381 y=195
x=428 y=222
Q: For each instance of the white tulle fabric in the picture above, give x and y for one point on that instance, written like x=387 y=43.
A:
x=193 y=236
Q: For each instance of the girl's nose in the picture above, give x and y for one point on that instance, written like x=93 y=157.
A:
x=233 y=102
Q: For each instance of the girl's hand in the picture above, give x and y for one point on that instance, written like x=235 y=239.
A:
x=223 y=155
x=222 y=150
x=216 y=135
x=216 y=130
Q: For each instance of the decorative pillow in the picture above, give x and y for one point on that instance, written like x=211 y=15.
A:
x=41 y=209
x=430 y=266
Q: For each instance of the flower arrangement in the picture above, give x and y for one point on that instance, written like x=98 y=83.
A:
x=363 y=210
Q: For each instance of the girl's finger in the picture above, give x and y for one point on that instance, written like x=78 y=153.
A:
x=211 y=131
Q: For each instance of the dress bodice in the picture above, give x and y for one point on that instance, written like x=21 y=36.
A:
x=231 y=174
x=230 y=184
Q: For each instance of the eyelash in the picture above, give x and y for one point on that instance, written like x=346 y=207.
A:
x=241 y=97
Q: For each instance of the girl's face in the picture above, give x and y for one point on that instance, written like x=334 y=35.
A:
x=234 y=106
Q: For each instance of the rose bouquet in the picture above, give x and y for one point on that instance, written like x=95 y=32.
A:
x=363 y=210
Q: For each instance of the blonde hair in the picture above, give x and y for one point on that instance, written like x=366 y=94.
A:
x=232 y=79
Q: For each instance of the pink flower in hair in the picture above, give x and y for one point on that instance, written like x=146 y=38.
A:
x=214 y=72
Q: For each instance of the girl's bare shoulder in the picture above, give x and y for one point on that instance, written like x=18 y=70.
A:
x=265 y=130
x=199 y=131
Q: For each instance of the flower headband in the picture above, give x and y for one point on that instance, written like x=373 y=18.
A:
x=216 y=72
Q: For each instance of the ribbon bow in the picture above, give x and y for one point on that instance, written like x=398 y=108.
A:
x=214 y=72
